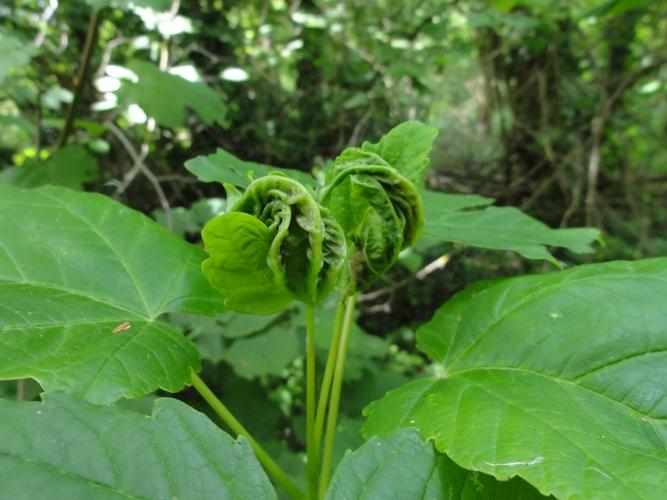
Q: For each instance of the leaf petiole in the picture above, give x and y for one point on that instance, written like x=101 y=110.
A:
x=336 y=388
x=311 y=448
x=325 y=389
x=271 y=467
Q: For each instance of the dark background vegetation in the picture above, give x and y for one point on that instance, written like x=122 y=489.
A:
x=557 y=107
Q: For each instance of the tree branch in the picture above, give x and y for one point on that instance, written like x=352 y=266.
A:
x=82 y=77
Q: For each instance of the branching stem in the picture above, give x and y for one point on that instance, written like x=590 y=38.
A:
x=271 y=467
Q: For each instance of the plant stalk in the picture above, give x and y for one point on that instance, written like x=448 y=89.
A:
x=336 y=389
x=310 y=402
x=271 y=467
x=82 y=76
x=325 y=389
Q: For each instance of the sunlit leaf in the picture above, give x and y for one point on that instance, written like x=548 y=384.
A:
x=83 y=281
x=406 y=148
x=166 y=97
x=557 y=378
x=274 y=245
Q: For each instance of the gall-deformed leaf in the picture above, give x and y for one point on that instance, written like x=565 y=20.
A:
x=275 y=245
x=406 y=147
x=379 y=210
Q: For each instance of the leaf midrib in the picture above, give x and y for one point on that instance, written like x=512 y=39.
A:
x=111 y=247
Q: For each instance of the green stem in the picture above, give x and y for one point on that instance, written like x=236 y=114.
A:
x=310 y=401
x=325 y=389
x=271 y=467
x=82 y=77
x=336 y=389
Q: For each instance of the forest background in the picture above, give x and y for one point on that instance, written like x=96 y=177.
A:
x=556 y=107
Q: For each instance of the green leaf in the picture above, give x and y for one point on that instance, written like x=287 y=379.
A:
x=557 y=378
x=250 y=402
x=406 y=148
x=64 y=448
x=165 y=97
x=622 y=6
x=275 y=245
x=436 y=204
x=404 y=467
x=224 y=167
x=74 y=267
x=14 y=52
x=267 y=353
x=239 y=245
x=241 y=325
x=449 y=218
x=70 y=167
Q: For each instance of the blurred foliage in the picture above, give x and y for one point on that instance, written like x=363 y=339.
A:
x=558 y=108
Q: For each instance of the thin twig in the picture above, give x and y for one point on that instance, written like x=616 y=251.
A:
x=140 y=166
x=432 y=266
x=107 y=53
x=82 y=77
x=47 y=14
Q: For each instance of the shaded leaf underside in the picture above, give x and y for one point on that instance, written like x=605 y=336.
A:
x=64 y=448
x=468 y=219
x=224 y=167
x=404 y=467
x=70 y=167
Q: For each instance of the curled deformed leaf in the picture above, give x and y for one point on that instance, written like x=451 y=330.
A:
x=379 y=210
x=406 y=147
x=275 y=245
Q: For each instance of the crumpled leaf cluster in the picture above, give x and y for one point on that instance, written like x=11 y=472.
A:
x=276 y=244
x=280 y=241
